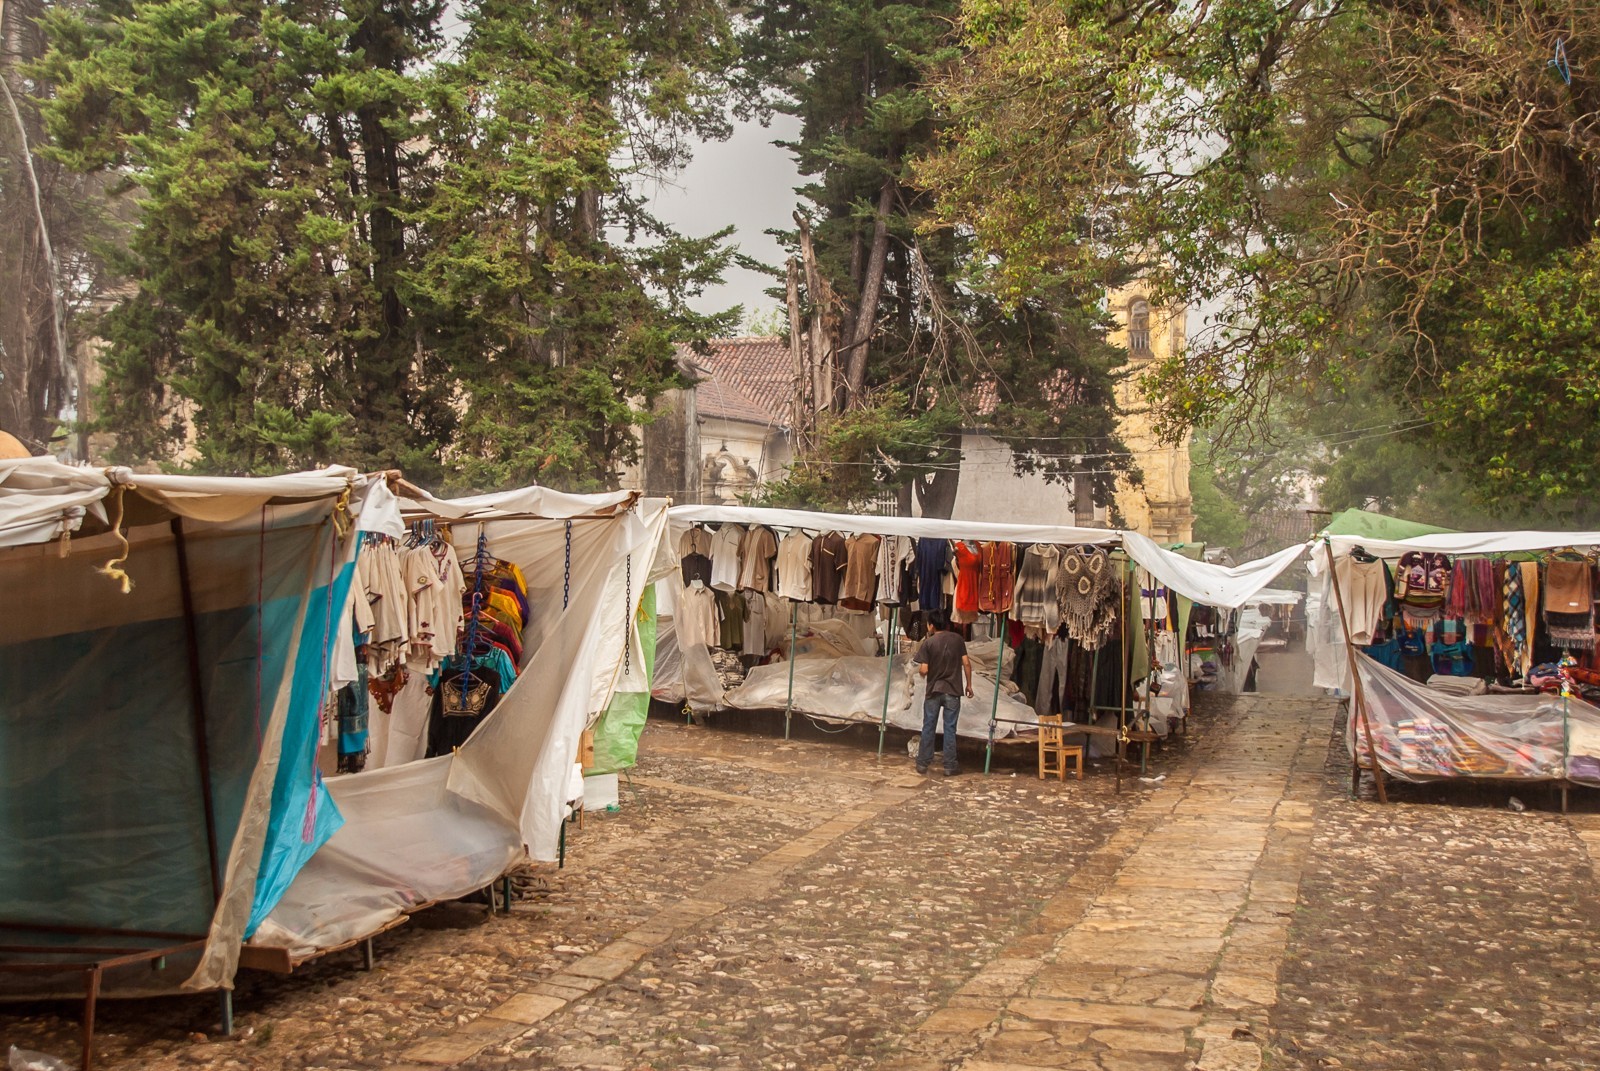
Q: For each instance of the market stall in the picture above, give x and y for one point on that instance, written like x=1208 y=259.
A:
x=812 y=613
x=162 y=667
x=1468 y=655
x=472 y=766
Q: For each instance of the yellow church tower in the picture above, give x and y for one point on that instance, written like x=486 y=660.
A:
x=1162 y=508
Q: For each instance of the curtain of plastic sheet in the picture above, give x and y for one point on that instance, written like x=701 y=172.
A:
x=101 y=812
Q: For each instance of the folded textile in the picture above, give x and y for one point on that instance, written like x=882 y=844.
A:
x=1451 y=685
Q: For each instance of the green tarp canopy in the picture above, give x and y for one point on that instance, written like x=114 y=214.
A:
x=1366 y=524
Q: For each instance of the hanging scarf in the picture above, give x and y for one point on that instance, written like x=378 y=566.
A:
x=1515 y=618
x=1569 y=604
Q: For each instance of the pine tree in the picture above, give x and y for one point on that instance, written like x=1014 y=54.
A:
x=547 y=286
x=909 y=351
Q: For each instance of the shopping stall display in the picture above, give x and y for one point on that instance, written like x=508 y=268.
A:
x=203 y=646
x=475 y=764
x=820 y=612
x=1468 y=655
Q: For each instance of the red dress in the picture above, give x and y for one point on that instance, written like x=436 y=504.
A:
x=968 y=564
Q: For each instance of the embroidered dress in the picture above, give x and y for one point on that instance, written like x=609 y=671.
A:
x=996 y=577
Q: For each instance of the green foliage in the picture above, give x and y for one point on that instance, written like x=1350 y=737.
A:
x=1035 y=373
x=1365 y=196
x=352 y=243
x=863 y=454
x=1218 y=519
x=560 y=335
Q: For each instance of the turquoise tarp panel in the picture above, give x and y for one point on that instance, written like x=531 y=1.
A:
x=303 y=814
x=101 y=807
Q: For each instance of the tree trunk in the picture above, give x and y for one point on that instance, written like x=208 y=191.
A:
x=799 y=417
x=936 y=493
x=871 y=287
x=824 y=325
x=33 y=355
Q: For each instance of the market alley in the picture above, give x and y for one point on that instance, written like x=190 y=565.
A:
x=757 y=903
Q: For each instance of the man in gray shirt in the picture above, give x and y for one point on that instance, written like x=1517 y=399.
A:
x=942 y=661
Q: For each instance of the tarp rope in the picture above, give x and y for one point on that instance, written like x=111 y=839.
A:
x=113 y=568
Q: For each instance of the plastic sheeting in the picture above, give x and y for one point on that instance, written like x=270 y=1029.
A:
x=101 y=801
x=439 y=828
x=852 y=688
x=1423 y=735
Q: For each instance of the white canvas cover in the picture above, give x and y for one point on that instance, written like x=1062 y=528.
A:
x=443 y=827
x=1229 y=587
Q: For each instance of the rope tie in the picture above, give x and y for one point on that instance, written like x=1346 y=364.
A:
x=113 y=568
x=343 y=519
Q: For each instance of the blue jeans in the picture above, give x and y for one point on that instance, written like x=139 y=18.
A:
x=951 y=705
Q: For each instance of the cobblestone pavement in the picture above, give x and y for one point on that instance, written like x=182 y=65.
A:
x=804 y=905
x=1443 y=931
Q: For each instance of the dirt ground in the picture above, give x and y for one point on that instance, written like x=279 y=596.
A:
x=803 y=904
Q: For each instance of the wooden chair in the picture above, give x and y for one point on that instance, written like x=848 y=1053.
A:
x=1053 y=749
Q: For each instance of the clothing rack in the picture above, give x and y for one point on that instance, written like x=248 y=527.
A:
x=480 y=564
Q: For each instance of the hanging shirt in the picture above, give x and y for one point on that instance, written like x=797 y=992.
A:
x=696 y=567
x=696 y=619
x=861 y=572
x=892 y=551
x=725 y=557
x=695 y=540
x=794 y=567
x=828 y=562
x=756 y=551
x=933 y=559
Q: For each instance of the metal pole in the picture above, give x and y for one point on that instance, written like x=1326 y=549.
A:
x=794 y=624
x=999 y=673
x=197 y=705
x=1122 y=704
x=890 y=643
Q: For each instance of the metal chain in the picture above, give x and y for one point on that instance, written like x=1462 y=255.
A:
x=627 y=624
x=566 y=572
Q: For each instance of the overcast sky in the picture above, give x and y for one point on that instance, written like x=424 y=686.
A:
x=745 y=181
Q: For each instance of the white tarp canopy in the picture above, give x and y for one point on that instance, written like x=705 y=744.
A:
x=1211 y=585
x=1229 y=587
x=443 y=827
x=1456 y=544
x=42 y=499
